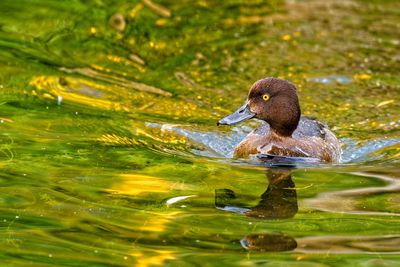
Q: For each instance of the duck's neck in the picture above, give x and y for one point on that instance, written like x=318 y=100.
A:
x=276 y=136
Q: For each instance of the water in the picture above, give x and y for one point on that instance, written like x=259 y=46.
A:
x=110 y=153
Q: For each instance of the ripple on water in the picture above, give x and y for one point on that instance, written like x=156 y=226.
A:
x=216 y=144
x=382 y=244
x=353 y=201
x=223 y=144
x=354 y=152
x=331 y=79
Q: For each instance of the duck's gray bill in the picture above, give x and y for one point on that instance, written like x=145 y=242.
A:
x=242 y=114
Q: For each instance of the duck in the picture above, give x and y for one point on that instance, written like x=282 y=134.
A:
x=283 y=131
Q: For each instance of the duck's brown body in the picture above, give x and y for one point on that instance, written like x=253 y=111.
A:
x=283 y=132
x=310 y=139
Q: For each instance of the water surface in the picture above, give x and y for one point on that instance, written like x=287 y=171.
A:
x=110 y=155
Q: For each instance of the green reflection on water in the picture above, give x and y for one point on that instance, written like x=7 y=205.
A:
x=86 y=180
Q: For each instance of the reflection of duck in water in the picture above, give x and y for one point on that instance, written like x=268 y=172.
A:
x=285 y=134
x=268 y=242
x=279 y=201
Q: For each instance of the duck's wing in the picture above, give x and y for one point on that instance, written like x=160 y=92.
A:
x=326 y=141
x=309 y=127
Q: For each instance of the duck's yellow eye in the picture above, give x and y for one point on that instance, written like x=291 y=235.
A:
x=266 y=97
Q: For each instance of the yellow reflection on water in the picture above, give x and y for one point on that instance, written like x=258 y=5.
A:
x=135 y=184
x=75 y=90
x=139 y=184
x=158 y=259
x=113 y=93
x=158 y=222
x=113 y=139
x=362 y=76
x=143 y=137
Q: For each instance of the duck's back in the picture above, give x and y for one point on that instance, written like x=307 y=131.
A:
x=310 y=139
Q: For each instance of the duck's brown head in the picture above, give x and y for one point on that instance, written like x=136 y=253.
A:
x=272 y=100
